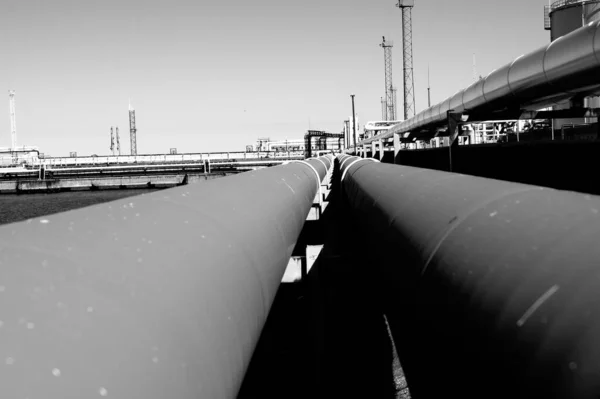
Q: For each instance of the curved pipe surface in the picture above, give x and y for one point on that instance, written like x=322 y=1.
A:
x=157 y=296
x=492 y=288
x=565 y=68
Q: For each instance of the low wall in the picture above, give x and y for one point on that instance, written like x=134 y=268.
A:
x=102 y=183
x=564 y=165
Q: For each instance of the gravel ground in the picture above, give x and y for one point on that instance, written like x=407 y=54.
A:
x=402 y=391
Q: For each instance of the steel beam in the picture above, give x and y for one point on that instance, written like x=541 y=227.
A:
x=156 y=296
x=492 y=288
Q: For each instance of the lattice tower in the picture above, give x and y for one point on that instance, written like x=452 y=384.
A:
x=409 y=84
x=112 y=140
x=132 y=130
x=389 y=88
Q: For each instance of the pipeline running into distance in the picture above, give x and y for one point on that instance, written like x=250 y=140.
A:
x=491 y=288
x=157 y=296
x=564 y=69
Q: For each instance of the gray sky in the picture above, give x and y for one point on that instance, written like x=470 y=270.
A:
x=215 y=75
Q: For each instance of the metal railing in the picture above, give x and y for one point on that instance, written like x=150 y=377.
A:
x=562 y=3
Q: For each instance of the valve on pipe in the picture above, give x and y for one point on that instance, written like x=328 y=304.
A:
x=491 y=288
x=157 y=296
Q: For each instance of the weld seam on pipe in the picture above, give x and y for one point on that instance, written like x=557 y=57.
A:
x=318 y=180
x=352 y=163
x=320 y=160
x=344 y=161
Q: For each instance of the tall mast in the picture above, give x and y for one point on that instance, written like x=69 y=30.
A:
x=13 y=121
x=390 y=114
x=409 y=83
x=132 y=130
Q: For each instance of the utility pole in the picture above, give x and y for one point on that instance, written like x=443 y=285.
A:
x=428 y=89
x=353 y=122
x=112 y=140
x=118 y=142
x=389 y=89
x=132 y=130
x=409 y=84
x=13 y=121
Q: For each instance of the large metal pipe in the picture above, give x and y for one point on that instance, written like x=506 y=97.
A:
x=492 y=288
x=566 y=68
x=157 y=296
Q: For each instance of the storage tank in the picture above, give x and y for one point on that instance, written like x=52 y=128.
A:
x=565 y=16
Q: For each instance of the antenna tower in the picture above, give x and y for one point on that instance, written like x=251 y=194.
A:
x=13 y=121
x=390 y=114
x=118 y=142
x=132 y=130
x=474 y=69
x=383 y=109
x=112 y=140
x=409 y=83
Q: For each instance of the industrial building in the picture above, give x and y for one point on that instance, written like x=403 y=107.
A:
x=265 y=144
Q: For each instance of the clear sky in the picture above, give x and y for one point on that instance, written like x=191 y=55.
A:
x=215 y=75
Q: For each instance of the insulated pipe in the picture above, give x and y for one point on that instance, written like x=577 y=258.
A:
x=343 y=157
x=346 y=163
x=491 y=288
x=566 y=68
x=157 y=296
